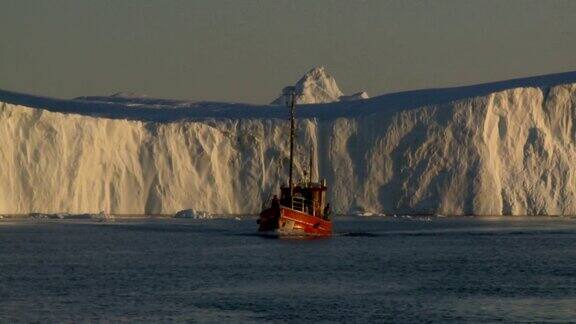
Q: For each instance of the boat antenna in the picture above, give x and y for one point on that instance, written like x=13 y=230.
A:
x=290 y=94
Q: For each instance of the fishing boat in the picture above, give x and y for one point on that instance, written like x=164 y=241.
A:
x=301 y=209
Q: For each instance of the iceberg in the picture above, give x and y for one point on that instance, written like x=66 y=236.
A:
x=193 y=214
x=501 y=148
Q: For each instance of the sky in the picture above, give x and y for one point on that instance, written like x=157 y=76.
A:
x=248 y=50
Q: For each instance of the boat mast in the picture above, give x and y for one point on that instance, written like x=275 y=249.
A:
x=291 y=95
x=311 y=162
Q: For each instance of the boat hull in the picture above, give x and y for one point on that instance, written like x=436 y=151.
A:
x=284 y=221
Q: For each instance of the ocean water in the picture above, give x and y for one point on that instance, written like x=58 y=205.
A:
x=373 y=270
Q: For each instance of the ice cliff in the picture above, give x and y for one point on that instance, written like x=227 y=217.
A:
x=499 y=148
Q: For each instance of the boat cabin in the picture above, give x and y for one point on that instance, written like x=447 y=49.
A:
x=307 y=197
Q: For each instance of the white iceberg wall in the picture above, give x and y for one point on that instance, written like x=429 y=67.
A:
x=510 y=152
x=53 y=162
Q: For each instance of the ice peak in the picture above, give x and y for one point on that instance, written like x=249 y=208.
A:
x=317 y=74
x=316 y=86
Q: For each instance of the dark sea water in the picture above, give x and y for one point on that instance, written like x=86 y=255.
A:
x=373 y=270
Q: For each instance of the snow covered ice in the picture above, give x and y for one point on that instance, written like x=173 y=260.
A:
x=498 y=148
x=318 y=86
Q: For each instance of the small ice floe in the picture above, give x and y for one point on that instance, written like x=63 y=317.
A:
x=193 y=214
x=56 y=216
x=104 y=217
x=237 y=218
x=364 y=213
x=38 y=215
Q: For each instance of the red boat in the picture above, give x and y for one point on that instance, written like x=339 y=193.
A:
x=302 y=209
x=304 y=214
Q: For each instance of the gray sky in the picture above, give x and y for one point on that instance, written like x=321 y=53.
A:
x=247 y=50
